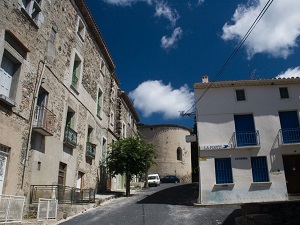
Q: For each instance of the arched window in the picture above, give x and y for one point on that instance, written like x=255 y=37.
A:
x=179 y=154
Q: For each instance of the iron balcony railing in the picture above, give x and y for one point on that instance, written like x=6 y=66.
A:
x=90 y=150
x=290 y=135
x=246 y=138
x=64 y=194
x=44 y=121
x=70 y=137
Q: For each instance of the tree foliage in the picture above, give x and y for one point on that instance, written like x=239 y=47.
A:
x=130 y=156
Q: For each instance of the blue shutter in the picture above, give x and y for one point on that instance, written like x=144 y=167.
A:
x=245 y=130
x=259 y=169
x=289 y=126
x=223 y=171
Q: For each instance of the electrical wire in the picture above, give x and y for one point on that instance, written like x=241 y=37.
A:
x=258 y=18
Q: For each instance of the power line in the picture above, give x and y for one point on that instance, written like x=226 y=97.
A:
x=258 y=18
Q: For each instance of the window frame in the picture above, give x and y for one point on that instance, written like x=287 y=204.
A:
x=240 y=95
x=228 y=170
x=81 y=29
x=100 y=96
x=284 y=93
x=77 y=61
x=33 y=11
x=112 y=118
x=262 y=170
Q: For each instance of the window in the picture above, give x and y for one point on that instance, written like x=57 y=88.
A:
x=103 y=148
x=123 y=130
x=99 y=102
x=13 y=56
x=4 y=148
x=245 y=133
x=80 y=180
x=112 y=119
x=76 y=70
x=33 y=10
x=113 y=94
x=81 y=29
x=290 y=131
x=53 y=34
x=179 y=154
x=223 y=171
x=240 y=95
x=8 y=74
x=62 y=174
x=70 y=136
x=259 y=169
x=284 y=93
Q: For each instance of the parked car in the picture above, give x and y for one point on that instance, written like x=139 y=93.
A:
x=170 y=179
x=153 y=180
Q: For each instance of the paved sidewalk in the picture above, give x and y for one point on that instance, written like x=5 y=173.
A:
x=99 y=199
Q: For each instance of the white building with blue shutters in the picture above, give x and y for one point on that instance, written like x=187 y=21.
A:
x=249 y=140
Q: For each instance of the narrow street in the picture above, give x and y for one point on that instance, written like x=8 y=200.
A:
x=169 y=204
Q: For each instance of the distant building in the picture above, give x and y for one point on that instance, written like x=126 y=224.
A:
x=249 y=139
x=174 y=153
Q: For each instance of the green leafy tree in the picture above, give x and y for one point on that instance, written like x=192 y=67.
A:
x=130 y=156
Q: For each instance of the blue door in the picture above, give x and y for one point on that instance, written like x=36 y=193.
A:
x=244 y=130
x=289 y=126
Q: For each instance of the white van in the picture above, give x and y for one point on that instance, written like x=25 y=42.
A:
x=153 y=180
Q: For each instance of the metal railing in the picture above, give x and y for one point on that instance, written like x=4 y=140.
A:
x=63 y=194
x=47 y=209
x=90 y=150
x=246 y=138
x=290 y=135
x=70 y=137
x=44 y=119
x=11 y=208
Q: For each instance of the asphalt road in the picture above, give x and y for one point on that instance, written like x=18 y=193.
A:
x=169 y=204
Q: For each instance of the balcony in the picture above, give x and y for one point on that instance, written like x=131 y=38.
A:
x=246 y=139
x=90 y=150
x=290 y=136
x=70 y=137
x=43 y=121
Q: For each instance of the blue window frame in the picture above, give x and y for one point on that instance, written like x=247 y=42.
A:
x=223 y=171
x=245 y=132
x=259 y=169
x=290 y=130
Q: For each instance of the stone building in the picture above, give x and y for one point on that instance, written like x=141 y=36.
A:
x=173 y=152
x=59 y=98
x=249 y=138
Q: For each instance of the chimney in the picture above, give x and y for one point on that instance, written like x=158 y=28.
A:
x=204 y=79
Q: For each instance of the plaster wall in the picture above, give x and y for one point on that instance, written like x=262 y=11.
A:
x=215 y=124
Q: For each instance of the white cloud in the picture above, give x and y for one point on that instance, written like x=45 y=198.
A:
x=154 y=97
x=170 y=42
x=163 y=10
x=276 y=33
x=125 y=2
x=291 y=72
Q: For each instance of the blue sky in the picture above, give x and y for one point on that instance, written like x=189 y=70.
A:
x=161 y=48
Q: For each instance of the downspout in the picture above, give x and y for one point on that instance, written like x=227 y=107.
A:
x=31 y=117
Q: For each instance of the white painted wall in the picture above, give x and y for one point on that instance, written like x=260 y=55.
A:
x=215 y=124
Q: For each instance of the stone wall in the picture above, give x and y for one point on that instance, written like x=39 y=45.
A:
x=167 y=139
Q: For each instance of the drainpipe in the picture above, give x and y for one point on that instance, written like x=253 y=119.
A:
x=31 y=117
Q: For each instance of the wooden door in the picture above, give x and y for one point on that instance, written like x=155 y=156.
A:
x=292 y=173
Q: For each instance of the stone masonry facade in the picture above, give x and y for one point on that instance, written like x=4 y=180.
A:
x=60 y=102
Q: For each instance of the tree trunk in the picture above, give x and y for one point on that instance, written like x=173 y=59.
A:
x=128 y=179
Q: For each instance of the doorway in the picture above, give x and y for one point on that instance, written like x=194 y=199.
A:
x=292 y=173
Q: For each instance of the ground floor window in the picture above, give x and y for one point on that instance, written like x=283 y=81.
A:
x=259 y=169
x=223 y=171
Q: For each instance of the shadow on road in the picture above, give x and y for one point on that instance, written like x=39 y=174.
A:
x=185 y=194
